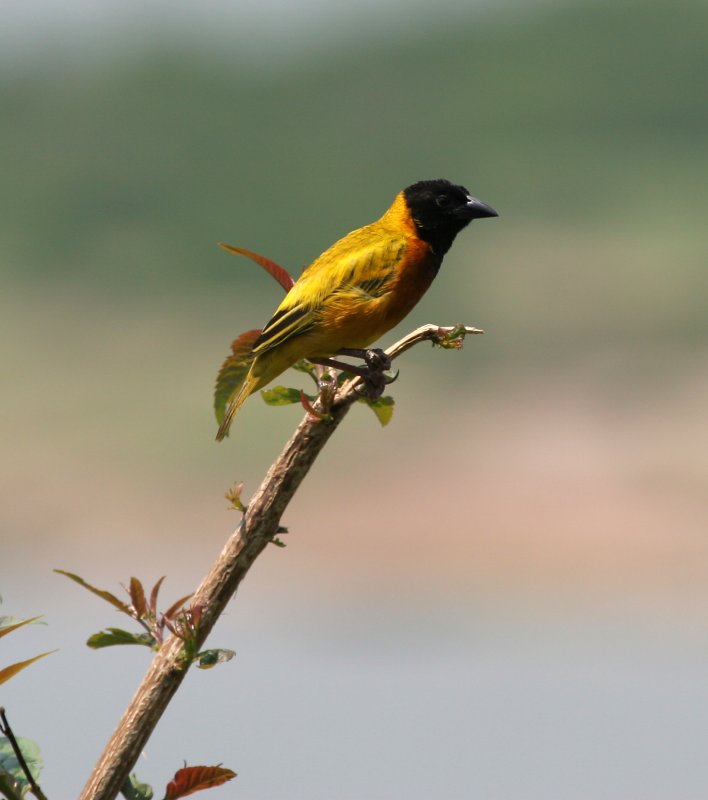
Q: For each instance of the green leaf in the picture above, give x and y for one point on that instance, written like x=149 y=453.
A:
x=13 y=669
x=8 y=624
x=452 y=340
x=281 y=396
x=233 y=495
x=303 y=365
x=192 y=779
x=132 y=789
x=107 y=596
x=112 y=636
x=233 y=371
x=10 y=765
x=210 y=658
x=382 y=407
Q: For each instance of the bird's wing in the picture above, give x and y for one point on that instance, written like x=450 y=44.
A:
x=360 y=266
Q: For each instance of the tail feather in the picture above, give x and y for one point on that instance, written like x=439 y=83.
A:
x=249 y=386
x=241 y=382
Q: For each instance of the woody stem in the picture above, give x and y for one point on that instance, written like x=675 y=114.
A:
x=260 y=524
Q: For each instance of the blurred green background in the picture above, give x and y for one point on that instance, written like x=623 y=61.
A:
x=503 y=593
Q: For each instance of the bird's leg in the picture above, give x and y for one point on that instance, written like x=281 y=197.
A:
x=374 y=383
x=376 y=359
x=372 y=373
x=332 y=363
x=378 y=362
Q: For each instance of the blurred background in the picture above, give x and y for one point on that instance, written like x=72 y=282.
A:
x=501 y=595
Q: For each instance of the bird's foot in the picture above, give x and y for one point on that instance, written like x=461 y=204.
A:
x=375 y=376
x=377 y=360
x=373 y=372
x=374 y=383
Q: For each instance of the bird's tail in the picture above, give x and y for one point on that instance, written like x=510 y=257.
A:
x=230 y=390
x=249 y=386
x=242 y=374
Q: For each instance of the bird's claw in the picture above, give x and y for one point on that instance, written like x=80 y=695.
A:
x=377 y=360
x=374 y=383
x=374 y=373
x=391 y=377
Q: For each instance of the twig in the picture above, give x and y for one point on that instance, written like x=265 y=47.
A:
x=7 y=731
x=257 y=529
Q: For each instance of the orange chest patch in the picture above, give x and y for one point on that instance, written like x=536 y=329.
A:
x=413 y=277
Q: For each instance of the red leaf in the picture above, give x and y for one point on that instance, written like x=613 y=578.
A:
x=107 y=596
x=275 y=270
x=195 y=614
x=313 y=415
x=192 y=779
x=137 y=598
x=153 y=596
x=175 y=607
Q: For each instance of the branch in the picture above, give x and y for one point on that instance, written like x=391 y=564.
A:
x=257 y=529
x=6 y=730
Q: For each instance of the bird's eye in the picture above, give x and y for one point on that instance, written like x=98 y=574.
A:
x=443 y=201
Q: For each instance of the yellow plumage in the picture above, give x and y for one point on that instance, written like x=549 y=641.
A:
x=357 y=290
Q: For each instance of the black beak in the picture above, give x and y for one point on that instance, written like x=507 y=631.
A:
x=476 y=209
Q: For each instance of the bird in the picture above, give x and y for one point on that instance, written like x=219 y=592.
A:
x=360 y=287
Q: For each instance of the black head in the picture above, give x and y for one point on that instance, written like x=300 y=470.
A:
x=440 y=210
